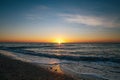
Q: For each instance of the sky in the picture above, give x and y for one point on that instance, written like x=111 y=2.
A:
x=60 y=20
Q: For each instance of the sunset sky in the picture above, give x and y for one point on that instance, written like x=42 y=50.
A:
x=60 y=20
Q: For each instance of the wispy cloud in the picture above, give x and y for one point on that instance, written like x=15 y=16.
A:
x=42 y=7
x=91 y=20
x=33 y=17
x=36 y=12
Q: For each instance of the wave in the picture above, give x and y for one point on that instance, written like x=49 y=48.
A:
x=61 y=57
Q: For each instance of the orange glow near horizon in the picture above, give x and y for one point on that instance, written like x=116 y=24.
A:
x=58 y=39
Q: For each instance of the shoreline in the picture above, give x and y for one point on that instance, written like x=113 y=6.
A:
x=11 y=69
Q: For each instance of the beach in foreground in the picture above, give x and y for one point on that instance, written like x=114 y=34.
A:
x=11 y=69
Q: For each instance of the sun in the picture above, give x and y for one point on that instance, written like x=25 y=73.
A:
x=59 y=41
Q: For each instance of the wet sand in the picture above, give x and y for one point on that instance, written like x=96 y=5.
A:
x=11 y=69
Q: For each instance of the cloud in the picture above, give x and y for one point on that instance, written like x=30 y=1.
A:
x=91 y=20
x=37 y=12
x=42 y=7
x=33 y=17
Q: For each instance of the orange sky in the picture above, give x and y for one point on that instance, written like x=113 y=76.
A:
x=57 y=39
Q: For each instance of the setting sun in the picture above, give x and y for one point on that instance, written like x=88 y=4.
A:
x=59 y=41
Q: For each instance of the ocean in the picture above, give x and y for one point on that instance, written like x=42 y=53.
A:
x=99 y=61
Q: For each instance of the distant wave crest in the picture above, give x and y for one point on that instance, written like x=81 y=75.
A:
x=61 y=57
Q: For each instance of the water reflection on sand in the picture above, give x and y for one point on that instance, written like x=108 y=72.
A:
x=55 y=68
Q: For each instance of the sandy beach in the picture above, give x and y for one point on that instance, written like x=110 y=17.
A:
x=11 y=69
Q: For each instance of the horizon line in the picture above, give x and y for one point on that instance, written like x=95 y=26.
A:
x=61 y=43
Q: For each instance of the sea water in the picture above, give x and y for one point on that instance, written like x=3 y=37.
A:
x=99 y=61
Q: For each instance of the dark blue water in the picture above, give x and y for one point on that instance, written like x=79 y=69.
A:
x=101 y=59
